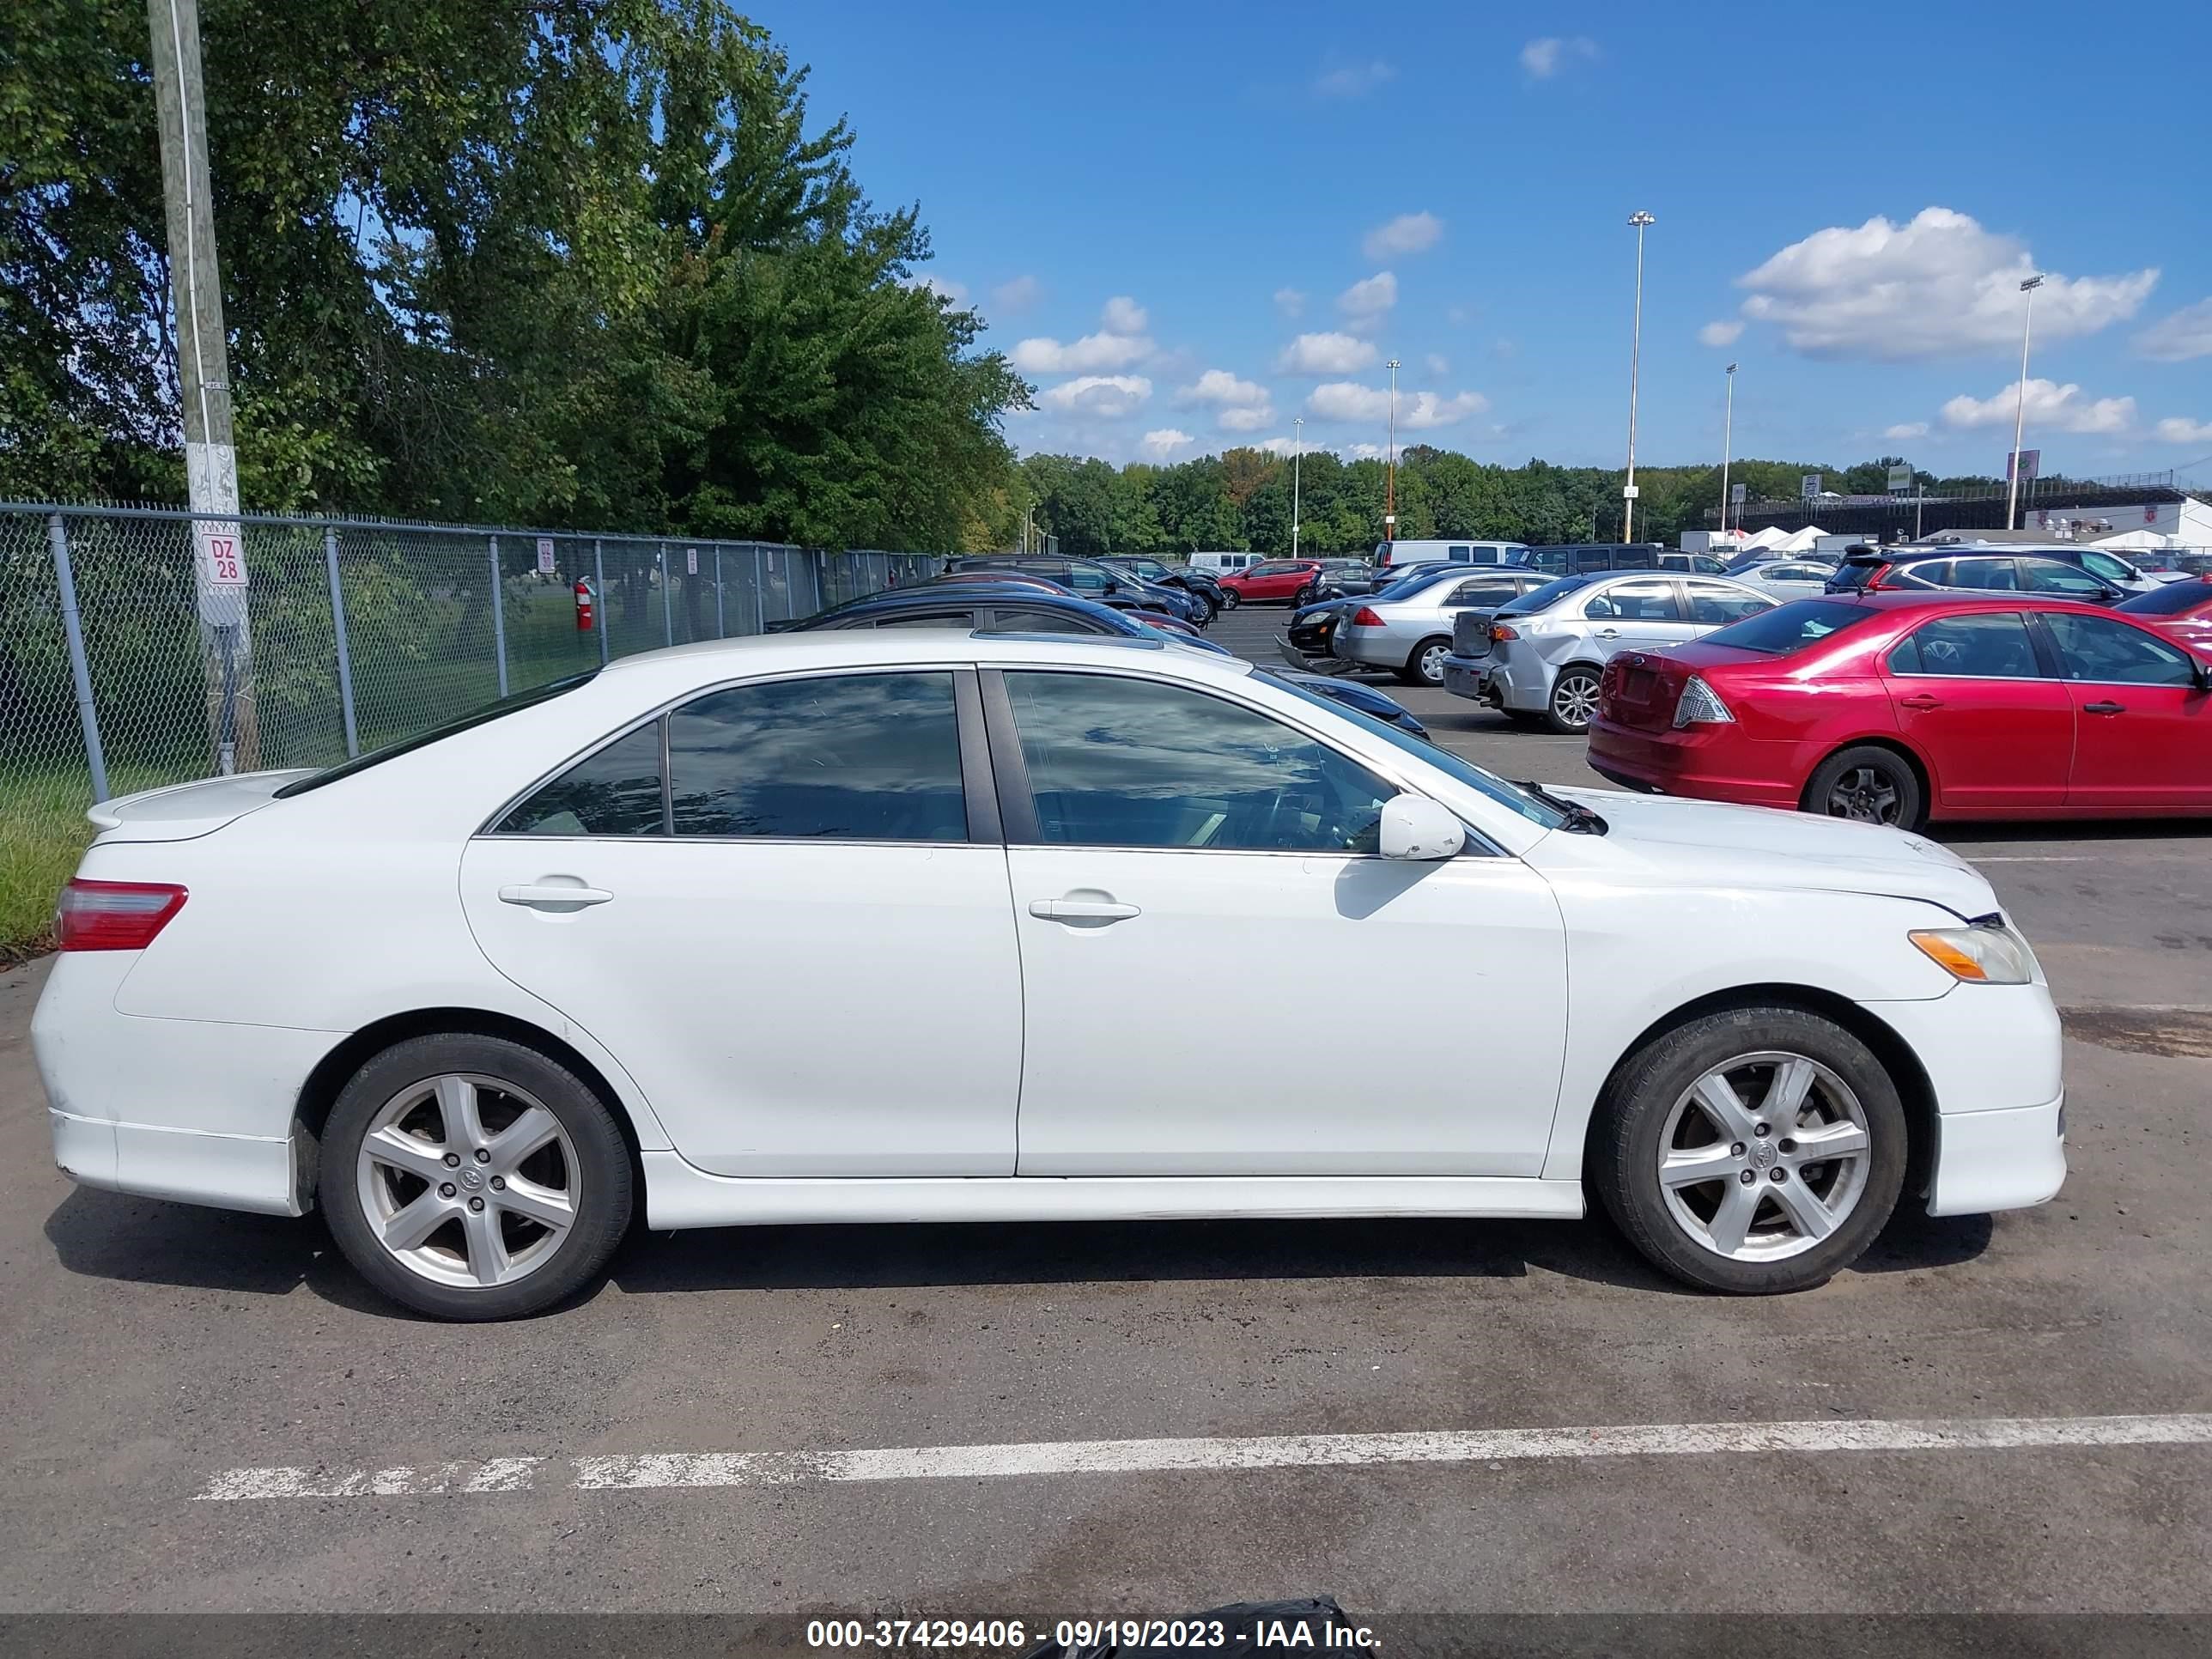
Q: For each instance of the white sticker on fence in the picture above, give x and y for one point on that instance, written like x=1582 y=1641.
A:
x=545 y=556
x=222 y=552
x=691 y=561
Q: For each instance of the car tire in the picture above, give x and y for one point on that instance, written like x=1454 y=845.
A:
x=1655 y=1105
x=488 y=1255
x=1573 y=702
x=1201 y=610
x=1228 y=599
x=1879 y=783
x=1425 y=664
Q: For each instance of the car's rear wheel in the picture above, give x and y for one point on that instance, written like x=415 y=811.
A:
x=1201 y=609
x=1870 y=784
x=1753 y=1151
x=470 y=1177
x=1574 y=700
x=1425 y=666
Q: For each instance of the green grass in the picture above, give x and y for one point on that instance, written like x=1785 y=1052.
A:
x=43 y=834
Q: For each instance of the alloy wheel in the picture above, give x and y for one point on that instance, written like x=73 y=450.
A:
x=468 y=1180
x=1574 y=699
x=1432 y=664
x=1764 y=1156
x=1866 y=795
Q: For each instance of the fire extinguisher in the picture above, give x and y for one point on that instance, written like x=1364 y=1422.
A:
x=583 y=604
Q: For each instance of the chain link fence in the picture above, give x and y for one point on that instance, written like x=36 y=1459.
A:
x=125 y=665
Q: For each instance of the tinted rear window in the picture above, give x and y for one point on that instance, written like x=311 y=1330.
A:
x=484 y=716
x=2171 y=600
x=1790 y=627
x=1537 y=598
x=1853 y=575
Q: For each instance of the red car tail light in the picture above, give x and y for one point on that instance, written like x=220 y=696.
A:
x=114 y=915
x=1502 y=631
x=1365 y=618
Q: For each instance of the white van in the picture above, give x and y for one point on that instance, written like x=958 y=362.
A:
x=1224 y=564
x=1451 y=551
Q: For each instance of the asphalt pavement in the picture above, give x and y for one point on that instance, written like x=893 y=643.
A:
x=208 y=1412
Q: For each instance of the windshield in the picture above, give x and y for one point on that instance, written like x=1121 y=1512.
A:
x=1792 y=627
x=484 y=716
x=1511 y=796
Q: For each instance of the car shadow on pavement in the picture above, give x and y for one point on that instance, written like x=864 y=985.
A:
x=2046 y=831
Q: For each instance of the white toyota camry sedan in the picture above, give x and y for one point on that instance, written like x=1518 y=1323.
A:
x=805 y=929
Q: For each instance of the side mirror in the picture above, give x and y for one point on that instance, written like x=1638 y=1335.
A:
x=2203 y=673
x=1415 y=827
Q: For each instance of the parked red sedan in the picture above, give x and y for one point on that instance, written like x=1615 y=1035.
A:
x=1276 y=580
x=1898 y=708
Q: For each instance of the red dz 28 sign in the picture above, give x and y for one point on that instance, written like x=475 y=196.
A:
x=223 y=555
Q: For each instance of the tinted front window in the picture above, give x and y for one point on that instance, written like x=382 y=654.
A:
x=1130 y=762
x=858 y=757
x=2105 y=565
x=960 y=619
x=2051 y=576
x=2095 y=648
x=2000 y=575
x=1990 y=647
x=616 y=792
x=1789 y=628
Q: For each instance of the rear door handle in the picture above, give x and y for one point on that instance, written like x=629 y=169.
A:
x=1921 y=700
x=550 y=895
x=1609 y=633
x=1081 y=910
x=2104 y=708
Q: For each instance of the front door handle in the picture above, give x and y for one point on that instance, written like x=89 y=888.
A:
x=551 y=896
x=1071 y=909
x=1921 y=700
x=2104 y=708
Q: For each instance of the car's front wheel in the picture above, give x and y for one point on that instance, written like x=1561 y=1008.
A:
x=1230 y=600
x=1752 y=1150
x=470 y=1177
x=1574 y=700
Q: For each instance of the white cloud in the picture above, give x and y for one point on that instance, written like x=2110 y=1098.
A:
x=1939 y=286
x=1353 y=79
x=955 y=292
x=2050 y=408
x=1121 y=340
x=1409 y=232
x=1165 y=441
x=1247 y=420
x=1544 y=58
x=1418 y=412
x=1719 y=334
x=1366 y=301
x=1290 y=302
x=1360 y=452
x=1123 y=315
x=1245 y=405
x=2175 y=339
x=1437 y=364
x=1019 y=295
x=1108 y=396
x=1907 y=430
x=1325 y=354
x=2175 y=431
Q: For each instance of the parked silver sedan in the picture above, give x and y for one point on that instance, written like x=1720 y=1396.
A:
x=1784 y=580
x=1543 y=653
x=1407 y=628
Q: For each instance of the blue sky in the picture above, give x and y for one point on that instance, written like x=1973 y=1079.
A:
x=1152 y=203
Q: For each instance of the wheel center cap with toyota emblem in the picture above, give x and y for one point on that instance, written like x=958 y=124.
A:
x=471 y=1179
x=1762 y=1153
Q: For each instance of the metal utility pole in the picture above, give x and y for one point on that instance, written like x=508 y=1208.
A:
x=203 y=379
x=1390 y=466
x=1640 y=220
x=1728 y=442
x=1298 y=464
x=2019 y=401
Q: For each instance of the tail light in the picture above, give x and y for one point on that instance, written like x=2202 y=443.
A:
x=1502 y=631
x=1365 y=618
x=1699 y=706
x=114 y=915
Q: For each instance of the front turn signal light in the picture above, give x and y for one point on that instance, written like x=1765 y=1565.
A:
x=1979 y=956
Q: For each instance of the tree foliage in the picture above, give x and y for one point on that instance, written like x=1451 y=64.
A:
x=582 y=261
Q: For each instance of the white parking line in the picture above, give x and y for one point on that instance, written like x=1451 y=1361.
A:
x=663 y=1471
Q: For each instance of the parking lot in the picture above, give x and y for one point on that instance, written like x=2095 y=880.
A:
x=210 y=1413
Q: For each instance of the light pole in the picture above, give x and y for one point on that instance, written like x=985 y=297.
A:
x=2020 y=400
x=1640 y=220
x=1297 y=463
x=1728 y=441
x=1391 y=465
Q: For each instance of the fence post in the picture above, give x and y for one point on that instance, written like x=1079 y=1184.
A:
x=721 y=633
x=599 y=575
x=667 y=598
x=80 y=671
x=498 y=615
x=345 y=660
